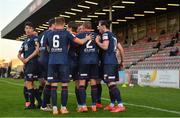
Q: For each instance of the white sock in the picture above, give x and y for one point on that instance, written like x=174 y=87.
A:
x=84 y=106
x=112 y=104
x=120 y=104
x=63 y=107
x=79 y=106
x=55 y=108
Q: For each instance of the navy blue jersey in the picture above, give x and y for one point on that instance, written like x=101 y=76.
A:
x=28 y=47
x=88 y=52
x=43 y=51
x=109 y=55
x=73 y=52
x=58 y=41
x=101 y=54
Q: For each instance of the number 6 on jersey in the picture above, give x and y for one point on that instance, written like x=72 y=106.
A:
x=56 y=41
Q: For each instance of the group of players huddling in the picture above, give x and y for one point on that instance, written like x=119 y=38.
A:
x=76 y=52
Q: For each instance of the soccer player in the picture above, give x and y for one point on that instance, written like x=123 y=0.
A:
x=79 y=28
x=101 y=76
x=73 y=58
x=58 y=41
x=109 y=45
x=29 y=50
x=88 y=67
x=43 y=65
x=38 y=90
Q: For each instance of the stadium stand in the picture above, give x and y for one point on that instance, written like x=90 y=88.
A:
x=142 y=55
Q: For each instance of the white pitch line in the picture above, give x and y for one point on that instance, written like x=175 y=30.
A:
x=105 y=99
x=16 y=84
x=149 y=107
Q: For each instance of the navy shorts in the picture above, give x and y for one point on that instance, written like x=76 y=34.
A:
x=101 y=72
x=110 y=73
x=58 y=73
x=117 y=74
x=73 y=69
x=31 y=71
x=43 y=70
x=88 y=71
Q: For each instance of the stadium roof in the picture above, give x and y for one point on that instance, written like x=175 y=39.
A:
x=123 y=11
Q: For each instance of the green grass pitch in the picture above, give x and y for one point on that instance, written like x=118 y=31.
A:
x=139 y=101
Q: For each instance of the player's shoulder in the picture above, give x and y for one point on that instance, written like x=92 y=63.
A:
x=67 y=32
x=45 y=32
x=82 y=34
x=61 y=31
x=40 y=35
x=49 y=33
x=35 y=38
x=106 y=33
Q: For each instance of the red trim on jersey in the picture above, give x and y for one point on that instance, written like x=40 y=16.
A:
x=74 y=33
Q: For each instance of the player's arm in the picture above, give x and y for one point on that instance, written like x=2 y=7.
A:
x=20 y=57
x=84 y=40
x=40 y=38
x=20 y=53
x=47 y=44
x=104 y=45
x=35 y=53
x=121 y=53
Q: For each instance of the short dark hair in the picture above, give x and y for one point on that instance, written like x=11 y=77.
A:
x=79 y=24
x=73 y=25
x=87 y=24
x=59 y=20
x=28 y=23
x=51 y=22
x=106 y=23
